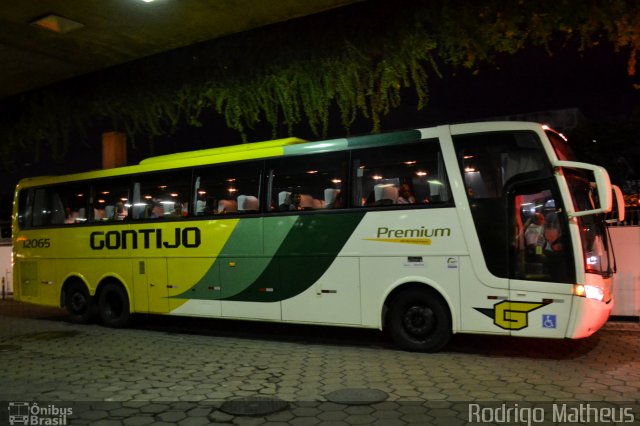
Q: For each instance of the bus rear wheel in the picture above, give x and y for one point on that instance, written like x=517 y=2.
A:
x=78 y=303
x=113 y=305
x=419 y=320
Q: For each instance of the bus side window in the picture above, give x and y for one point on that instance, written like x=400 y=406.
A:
x=307 y=182
x=55 y=205
x=407 y=174
x=40 y=209
x=110 y=199
x=161 y=195
x=227 y=190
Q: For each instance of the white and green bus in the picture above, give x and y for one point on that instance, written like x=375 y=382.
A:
x=470 y=228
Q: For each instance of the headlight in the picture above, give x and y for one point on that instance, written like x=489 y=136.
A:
x=589 y=291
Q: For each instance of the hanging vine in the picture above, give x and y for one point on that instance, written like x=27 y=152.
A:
x=356 y=59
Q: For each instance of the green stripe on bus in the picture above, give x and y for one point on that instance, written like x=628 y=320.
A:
x=312 y=147
x=241 y=262
x=304 y=256
x=384 y=139
x=243 y=258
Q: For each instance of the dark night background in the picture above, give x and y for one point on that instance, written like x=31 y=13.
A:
x=595 y=82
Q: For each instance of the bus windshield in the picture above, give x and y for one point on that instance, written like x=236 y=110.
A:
x=561 y=146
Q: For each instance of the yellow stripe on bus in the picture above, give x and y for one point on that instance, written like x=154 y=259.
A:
x=423 y=241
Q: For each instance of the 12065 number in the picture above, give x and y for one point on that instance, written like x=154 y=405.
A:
x=37 y=243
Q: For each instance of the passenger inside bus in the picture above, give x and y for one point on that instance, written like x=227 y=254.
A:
x=534 y=234
x=406 y=195
x=552 y=233
x=296 y=199
x=120 y=213
x=156 y=210
x=284 y=200
x=227 y=206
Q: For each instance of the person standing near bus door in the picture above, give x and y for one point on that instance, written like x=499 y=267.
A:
x=534 y=234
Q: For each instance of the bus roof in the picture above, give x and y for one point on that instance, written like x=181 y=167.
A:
x=225 y=154
x=266 y=149
x=211 y=152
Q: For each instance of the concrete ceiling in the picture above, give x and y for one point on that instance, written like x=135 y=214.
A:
x=118 y=31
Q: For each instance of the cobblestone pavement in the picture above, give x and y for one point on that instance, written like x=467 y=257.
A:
x=186 y=371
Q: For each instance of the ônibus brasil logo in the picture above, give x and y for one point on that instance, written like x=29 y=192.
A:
x=25 y=413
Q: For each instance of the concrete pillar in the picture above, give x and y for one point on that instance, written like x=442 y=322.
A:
x=114 y=150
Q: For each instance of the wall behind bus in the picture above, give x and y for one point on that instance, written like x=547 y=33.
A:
x=6 y=269
x=626 y=283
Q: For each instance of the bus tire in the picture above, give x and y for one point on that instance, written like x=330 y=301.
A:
x=419 y=320
x=79 y=303
x=113 y=305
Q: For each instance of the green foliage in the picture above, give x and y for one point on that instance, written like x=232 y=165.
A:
x=356 y=59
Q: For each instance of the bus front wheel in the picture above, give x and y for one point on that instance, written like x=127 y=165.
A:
x=113 y=305
x=78 y=303
x=419 y=320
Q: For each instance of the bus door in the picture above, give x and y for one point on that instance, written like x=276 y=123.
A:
x=151 y=293
x=541 y=265
x=38 y=281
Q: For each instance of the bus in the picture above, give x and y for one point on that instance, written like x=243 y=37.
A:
x=488 y=227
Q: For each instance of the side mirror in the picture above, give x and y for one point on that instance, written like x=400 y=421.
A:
x=602 y=187
x=618 y=199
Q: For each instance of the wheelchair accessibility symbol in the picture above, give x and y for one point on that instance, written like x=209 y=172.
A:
x=549 y=321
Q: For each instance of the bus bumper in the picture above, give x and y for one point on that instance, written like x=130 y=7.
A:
x=589 y=315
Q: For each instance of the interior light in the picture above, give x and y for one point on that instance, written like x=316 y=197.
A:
x=592 y=260
x=336 y=180
x=469 y=169
x=421 y=173
x=148 y=197
x=408 y=163
x=201 y=192
x=174 y=194
x=312 y=172
x=467 y=157
x=376 y=177
x=162 y=187
x=231 y=180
